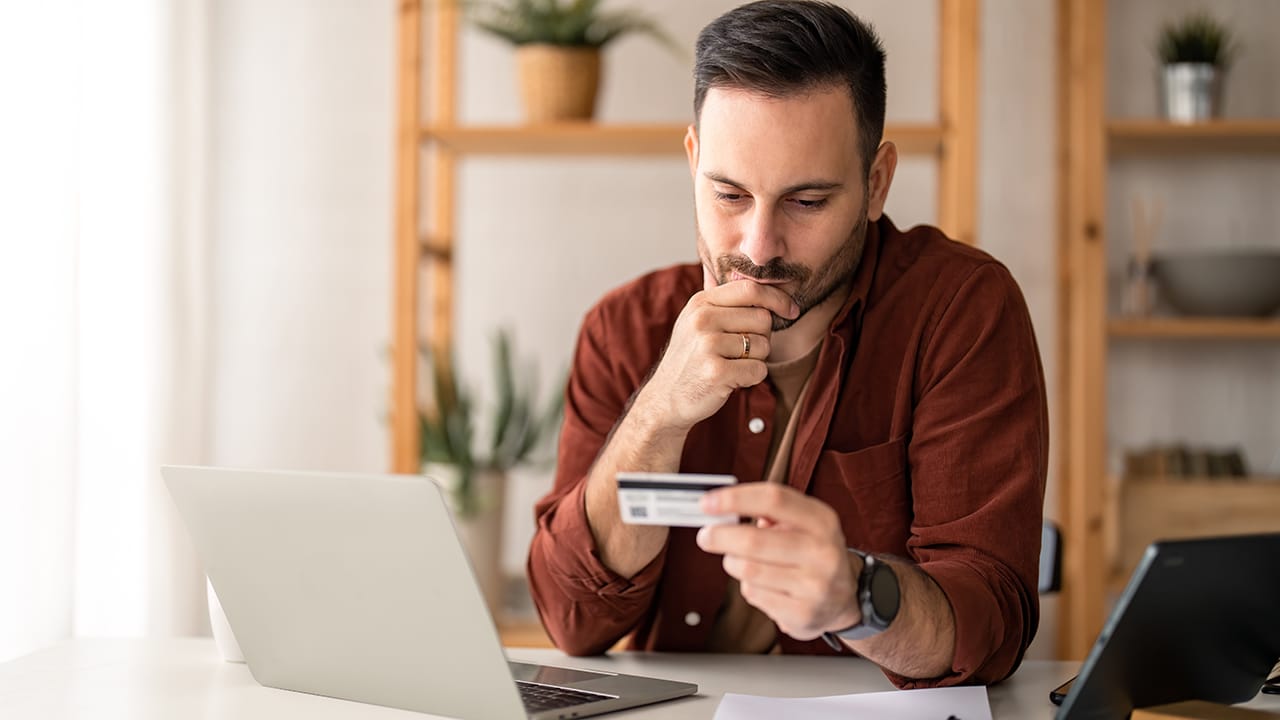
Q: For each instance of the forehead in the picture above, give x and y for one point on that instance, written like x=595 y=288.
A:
x=773 y=141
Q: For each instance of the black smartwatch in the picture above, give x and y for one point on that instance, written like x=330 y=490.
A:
x=878 y=596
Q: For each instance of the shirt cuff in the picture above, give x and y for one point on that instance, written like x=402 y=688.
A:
x=571 y=556
x=986 y=651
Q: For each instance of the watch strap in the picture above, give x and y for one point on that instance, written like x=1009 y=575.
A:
x=863 y=629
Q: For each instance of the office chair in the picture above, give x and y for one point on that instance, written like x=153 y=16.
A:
x=1050 y=558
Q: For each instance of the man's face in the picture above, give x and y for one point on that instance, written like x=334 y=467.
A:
x=779 y=192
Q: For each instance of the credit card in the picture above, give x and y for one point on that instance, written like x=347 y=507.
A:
x=670 y=499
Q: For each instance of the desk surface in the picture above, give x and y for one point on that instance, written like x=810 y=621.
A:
x=142 y=679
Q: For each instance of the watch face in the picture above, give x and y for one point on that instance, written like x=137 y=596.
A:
x=884 y=593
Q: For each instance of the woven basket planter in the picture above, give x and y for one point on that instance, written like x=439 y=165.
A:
x=558 y=83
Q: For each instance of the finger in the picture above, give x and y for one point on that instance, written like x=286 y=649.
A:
x=712 y=318
x=785 y=579
x=780 y=503
x=772 y=545
x=748 y=293
x=794 y=616
x=744 y=345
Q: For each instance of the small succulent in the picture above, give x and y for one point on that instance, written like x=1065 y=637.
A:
x=1197 y=38
x=448 y=425
x=573 y=23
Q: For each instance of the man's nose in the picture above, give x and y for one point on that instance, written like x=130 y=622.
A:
x=762 y=238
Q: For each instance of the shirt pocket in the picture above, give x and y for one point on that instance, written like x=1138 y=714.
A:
x=870 y=489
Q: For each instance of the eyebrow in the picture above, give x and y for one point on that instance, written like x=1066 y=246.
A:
x=798 y=187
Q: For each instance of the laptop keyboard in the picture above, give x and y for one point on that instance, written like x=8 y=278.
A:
x=537 y=697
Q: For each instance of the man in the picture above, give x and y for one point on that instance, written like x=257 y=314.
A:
x=877 y=393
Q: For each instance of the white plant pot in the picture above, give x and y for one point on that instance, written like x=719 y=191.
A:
x=1191 y=92
x=222 y=634
x=480 y=532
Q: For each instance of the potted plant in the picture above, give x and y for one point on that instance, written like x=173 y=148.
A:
x=475 y=478
x=558 y=45
x=1196 y=53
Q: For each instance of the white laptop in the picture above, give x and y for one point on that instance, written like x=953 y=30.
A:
x=356 y=587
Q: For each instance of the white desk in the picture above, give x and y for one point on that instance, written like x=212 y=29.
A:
x=185 y=678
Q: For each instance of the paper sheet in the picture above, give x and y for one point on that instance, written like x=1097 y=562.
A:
x=963 y=703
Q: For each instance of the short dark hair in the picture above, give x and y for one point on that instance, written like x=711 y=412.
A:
x=780 y=47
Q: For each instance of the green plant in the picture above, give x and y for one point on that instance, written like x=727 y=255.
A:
x=1197 y=38
x=574 y=23
x=519 y=428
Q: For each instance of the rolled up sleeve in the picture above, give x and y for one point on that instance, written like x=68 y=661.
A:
x=584 y=606
x=978 y=459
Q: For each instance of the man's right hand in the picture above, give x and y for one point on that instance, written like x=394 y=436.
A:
x=702 y=365
x=704 y=361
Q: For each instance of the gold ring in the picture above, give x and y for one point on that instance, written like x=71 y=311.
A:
x=746 y=346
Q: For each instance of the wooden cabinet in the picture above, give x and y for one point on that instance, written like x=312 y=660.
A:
x=1104 y=521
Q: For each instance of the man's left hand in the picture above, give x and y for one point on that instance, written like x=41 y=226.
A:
x=792 y=564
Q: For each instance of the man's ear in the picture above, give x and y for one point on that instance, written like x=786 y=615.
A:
x=691 y=149
x=880 y=178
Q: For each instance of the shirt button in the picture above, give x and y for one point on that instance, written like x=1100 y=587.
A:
x=755 y=425
x=692 y=619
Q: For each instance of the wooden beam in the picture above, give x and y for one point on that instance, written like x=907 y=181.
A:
x=404 y=342
x=443 y=178
x=958 y=85
x=1082 y=160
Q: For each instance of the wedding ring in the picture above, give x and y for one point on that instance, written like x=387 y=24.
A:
x=746 y=346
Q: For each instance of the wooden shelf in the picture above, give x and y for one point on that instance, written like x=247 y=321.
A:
x=1160 y=137
x=1178 y=328
x=601 y=139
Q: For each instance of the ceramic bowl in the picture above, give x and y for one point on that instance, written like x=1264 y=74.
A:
x=1221 y=283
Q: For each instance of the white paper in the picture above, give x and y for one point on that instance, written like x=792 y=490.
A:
x=963 y=703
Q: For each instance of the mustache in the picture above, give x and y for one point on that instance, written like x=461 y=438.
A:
x=775 y=269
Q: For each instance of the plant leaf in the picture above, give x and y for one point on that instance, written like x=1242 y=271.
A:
x=575 y=23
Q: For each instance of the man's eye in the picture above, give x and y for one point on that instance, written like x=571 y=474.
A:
x=810 y=204
x=728 y=197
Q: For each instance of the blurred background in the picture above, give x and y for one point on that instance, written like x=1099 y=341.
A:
x=200 y=262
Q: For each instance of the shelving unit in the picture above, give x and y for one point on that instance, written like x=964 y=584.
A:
x=1096 y=525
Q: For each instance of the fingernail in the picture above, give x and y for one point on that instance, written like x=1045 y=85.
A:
x=710 y=503
x=704 y=536
x=795 y=310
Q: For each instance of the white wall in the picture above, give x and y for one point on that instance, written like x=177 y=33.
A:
x=301 y=236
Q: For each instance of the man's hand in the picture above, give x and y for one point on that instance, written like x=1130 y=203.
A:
x=705 y=360
x=792 y=564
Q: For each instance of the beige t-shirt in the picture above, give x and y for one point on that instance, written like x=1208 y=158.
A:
x=739 y=627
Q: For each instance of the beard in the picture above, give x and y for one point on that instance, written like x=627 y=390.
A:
x=812 y=287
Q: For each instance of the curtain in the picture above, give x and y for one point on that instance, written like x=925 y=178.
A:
x=104 y=315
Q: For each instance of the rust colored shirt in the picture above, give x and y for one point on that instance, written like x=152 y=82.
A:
x=925 y=428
